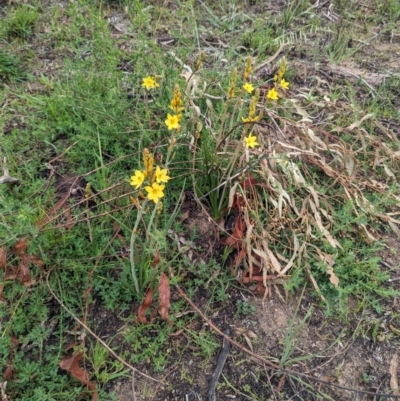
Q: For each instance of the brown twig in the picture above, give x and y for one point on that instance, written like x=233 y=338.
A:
x=133 y=387
x=96 y=336
x=271 y=386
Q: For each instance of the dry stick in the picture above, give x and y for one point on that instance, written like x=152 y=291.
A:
x=270 y=384
x=83 y=201
x=269 y=363
x=110 y=212
x=94 y=335
x=133 y=387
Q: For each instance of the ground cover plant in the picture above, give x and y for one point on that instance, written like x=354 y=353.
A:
x=170 y=169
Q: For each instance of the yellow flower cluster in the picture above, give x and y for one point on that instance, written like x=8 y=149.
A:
x=200 y=61
x=251 y=140
x=248 y=87
x=247 y=69
x=280 y=81
x=155 y=178
x=173 y=120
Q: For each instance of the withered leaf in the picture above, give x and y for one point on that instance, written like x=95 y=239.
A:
x=333 y=278
x=20 y=247
x=156 y=259
x=2 y=298
x=22 y=272
x=148 y=299
x=164 y=293
x=8 y=373
x=3 y=257
x=71 y=364
x=235 y=240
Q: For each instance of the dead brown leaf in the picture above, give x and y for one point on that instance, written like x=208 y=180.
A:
x=8 y=373
x=22 y=272
x=164 y=293
x=247 y=334
x=3 y=257
x=71 y=364
x=2 y=299
x=156 y=259
x=313 y=281
x=148 y=299
x=333 y=278
x=235 y=240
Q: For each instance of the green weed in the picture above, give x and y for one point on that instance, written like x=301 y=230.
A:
x=10 y=68
x=22 y=21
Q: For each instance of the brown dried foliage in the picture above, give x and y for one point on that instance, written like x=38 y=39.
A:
x=71 y=364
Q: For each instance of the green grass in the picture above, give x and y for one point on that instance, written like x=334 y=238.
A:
x=10 y=68
x=22 y=21
x=72 y=105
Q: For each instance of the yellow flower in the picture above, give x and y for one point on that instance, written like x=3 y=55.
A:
x=176 y=102
x=175 y=105
x=284 y=84
x=253 y=103
x=161 y=175
x=137 y=179
x=248 y=87
x=272 y=94
x=251 y=141
x=155 y=192
x=150 y=83
x=172 y=121
x=87 y=190
x=250 y=119
x=282 y=69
